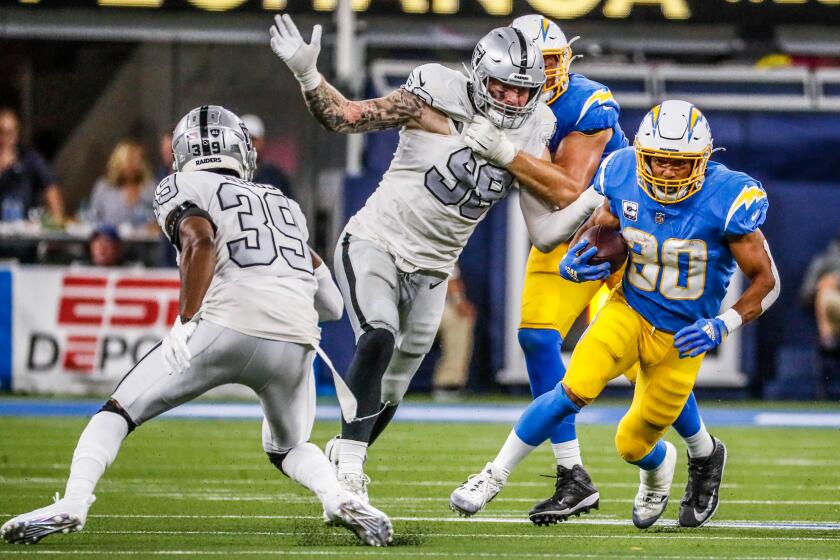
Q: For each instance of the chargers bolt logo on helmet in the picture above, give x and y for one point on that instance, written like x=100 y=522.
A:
x=211 y=137
x=552 y=42
x=673 y=130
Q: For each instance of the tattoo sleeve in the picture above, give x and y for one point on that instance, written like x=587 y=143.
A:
x=337 y=114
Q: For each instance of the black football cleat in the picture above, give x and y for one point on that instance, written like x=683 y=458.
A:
x=574 y=494
x=702 y=493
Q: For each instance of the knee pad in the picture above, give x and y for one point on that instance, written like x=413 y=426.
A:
x=632 y=443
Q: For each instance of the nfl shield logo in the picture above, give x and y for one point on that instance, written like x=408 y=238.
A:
x=214 y=132
x=660 y=218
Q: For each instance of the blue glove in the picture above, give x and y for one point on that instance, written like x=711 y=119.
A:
x=575 y=268
x=699 y=337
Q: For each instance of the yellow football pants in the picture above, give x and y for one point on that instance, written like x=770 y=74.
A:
x=549 y=301
x=616 y=339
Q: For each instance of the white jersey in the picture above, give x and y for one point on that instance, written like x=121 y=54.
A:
x=263 y=284
x=437 y=190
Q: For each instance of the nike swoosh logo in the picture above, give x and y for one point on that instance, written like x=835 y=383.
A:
x=420 y=79
x=708 y=509
x=433 y=285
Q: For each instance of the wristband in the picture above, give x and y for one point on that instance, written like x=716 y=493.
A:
x=310 y=80
x=732 y=320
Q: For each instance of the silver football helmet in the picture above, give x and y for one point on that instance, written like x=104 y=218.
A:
x=508 y=56
x=211 y=137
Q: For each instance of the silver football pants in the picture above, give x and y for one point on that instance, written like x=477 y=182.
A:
x=278 y=372
x=377 y=294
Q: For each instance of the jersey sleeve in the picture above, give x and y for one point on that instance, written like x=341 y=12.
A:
x=603 y=176
x=442 y=88
x=599 y=112
x=178 y=192
x=747 y=211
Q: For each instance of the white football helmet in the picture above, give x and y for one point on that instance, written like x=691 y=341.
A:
x=507 y=55
x=675 y=130
x=211 y=137
x=552 y=42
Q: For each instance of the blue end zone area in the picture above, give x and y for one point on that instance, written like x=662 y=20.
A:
x=440 y=413
x=6 y=329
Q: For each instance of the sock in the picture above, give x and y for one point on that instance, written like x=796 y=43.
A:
x=382 y=421
x=655 y=478
x=688 y=422
x=307 y=465
x=351 y=456
x=543 y=358
x=654 y=459
x=700 y=444
x=567 y=453
x=543 y=415
x=97 y=448
x=364 y=378
x=510 y=455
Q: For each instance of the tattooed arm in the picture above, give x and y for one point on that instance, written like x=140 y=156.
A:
x=338 y=114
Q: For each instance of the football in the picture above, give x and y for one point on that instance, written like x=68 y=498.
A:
x=611 y=246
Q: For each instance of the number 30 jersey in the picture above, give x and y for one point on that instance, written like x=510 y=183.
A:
x=436 y=190
x=680 y=262
x=263 y=284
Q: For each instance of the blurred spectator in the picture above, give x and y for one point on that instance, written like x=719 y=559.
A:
x=164 y=169
x=106 y=246
x=123 y=197
x=821 y=291
x=456 y=341
x=266 y=172
x=26 y=180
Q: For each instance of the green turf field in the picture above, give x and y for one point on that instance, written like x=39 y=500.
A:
x=204 y=488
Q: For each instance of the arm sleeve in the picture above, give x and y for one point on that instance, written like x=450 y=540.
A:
x=747 y=211
x=549 y=228
x=328 y=301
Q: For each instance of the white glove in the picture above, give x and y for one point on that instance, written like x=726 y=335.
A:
x=489 y=142
x=300 y=57
x=174 y=351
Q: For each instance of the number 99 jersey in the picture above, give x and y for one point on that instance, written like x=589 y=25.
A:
x=263 y=284
x=436 y=189
x=680 y=263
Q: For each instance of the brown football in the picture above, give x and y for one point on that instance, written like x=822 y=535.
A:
x=611 y=246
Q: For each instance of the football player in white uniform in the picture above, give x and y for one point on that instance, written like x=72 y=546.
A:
x=395 y=255
x=251 y=292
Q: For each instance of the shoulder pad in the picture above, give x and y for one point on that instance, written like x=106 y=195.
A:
x=605 y=178
x=748 y=210
x=442 y=88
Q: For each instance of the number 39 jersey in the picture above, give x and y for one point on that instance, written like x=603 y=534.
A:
x=263 y=284
x=680 y=262
x=436 y=190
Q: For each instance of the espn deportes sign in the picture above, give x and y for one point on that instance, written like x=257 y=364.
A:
x=80 y=330
x=723 y=11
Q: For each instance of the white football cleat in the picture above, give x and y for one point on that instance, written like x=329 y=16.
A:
x=331 y=451
x=476 y=492
x=652 y=497
x=368 y=523
x=355 y=484
x=64 y=516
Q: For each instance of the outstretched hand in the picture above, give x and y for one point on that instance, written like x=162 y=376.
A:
x=301 y=57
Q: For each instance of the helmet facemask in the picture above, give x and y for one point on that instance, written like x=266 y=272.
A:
x=670 y=191
x=557 y=79
x=499 y=113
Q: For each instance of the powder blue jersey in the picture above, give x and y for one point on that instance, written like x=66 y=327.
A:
x=586 y=106
x=680 y=263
